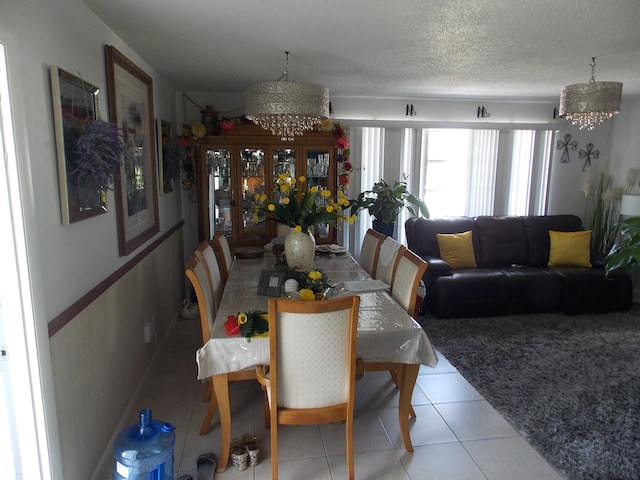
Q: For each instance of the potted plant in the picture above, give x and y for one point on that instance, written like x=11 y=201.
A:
x=385 y=201
x=625 y=253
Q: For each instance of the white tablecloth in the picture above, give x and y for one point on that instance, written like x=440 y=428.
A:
x=386 y=333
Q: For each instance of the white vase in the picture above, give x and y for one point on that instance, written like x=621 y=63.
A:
x=299 y=248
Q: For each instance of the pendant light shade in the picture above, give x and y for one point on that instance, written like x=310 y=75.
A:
x=587 y=105
x=286 y=108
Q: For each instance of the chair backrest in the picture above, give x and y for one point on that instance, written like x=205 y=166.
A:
x=221 y=243
x=207 y=256
x=313 y=352
x=196 y=272
x=406 y=281
x=370 y=250
x=390 y=253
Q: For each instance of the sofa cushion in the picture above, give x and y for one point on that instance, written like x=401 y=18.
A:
x=537 y=234
x=501 y=242
x=421 y=233
x=570 y=248
x=457 y=249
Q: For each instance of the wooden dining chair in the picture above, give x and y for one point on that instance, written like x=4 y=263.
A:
x=207 y=255
x=390 y=253
x=370 y=250
x=404 y=289
x=406 y=282
x=196 y=272
x=224 y=254
x=311 y=376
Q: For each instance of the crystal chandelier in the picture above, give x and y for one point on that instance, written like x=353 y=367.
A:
x=286 y=108
x=590 y=104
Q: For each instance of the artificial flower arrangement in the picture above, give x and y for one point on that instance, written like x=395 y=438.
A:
x=248 y=324
x=345 y=168
x=309 y=284
x=93 y=159
x=301 y=208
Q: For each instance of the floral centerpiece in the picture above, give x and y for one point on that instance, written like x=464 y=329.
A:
x=248 y=324
x=310 y=285
x=301 y=208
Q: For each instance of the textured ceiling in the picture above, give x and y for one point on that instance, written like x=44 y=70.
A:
x=491 y=49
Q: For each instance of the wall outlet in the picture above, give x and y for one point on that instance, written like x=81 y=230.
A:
x=148 y=332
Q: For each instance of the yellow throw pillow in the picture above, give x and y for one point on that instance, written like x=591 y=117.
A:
x=570 y=248
x=457 y=249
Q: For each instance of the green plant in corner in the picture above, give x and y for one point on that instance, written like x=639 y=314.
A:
x=625 y=253
x=385 y=201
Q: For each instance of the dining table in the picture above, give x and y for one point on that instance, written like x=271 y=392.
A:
x=387 y=334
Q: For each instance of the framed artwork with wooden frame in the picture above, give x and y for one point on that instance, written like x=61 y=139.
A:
x=75 y=102
x=131 y=109
x=164 y=136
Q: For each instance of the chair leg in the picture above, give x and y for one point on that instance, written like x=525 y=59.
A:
x=350 y=452
x=211 y=411
x=208 y=391
x=267 y=412
x=394 y=377
x=274 y=450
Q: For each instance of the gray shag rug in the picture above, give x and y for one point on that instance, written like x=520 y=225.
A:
x=569 y=384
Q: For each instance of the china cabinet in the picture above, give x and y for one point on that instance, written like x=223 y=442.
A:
x=233 y=168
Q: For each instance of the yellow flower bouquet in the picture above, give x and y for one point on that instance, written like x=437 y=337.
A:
x=301 y=208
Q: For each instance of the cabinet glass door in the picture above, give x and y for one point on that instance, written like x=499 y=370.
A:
x=319 y=174
x=284 y=163
x=220 y=193
x=252 y=185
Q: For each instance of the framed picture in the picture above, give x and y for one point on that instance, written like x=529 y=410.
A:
x=164 y=135
x=131 y=109
x=75 y=102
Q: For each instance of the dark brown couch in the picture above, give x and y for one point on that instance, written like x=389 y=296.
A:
x=512 y=274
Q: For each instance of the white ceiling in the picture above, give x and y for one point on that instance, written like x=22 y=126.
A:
x=485 y=49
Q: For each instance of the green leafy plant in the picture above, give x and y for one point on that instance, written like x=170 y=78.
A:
x=385 y=201
x=625 y=253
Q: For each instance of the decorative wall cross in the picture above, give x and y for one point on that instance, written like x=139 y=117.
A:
x=565 y=145
x=588 y=154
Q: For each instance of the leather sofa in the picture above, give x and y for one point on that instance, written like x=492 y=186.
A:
x=511 y=274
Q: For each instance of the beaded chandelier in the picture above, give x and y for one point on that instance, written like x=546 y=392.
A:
x=587 y=105
x=286 y=108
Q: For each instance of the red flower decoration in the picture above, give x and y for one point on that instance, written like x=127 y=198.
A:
x=339 y=131
x=342 y=143
x=227 y=126
x=344 y=180
x=348 y=166
x=184 y=141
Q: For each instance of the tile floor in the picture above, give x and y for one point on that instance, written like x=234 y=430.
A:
x=456 y=435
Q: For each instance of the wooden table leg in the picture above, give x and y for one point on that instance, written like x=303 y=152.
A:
x=407 y=373
x=221 y=391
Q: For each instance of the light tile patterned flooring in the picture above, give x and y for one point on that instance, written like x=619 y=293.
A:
x=456 y=435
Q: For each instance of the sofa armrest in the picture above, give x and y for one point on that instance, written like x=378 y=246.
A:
x=437 y=265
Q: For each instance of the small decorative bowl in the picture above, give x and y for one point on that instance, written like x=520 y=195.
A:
x=291 y=285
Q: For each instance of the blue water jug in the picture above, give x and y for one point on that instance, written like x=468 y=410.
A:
x=144 y=451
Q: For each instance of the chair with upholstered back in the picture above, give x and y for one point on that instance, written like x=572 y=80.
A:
x=207 y=255
x=370 y=250
x=225 y=256
x=404 y=288
x=388 y=258
x=197 y=274
x=311 y=376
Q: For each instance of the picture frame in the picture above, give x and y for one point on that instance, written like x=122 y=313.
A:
x=130 y=92
x=75 y=102
x=164 y=135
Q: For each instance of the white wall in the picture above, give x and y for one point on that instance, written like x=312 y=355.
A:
x=66 y=262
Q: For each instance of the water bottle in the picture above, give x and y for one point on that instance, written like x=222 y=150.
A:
x=144 y=451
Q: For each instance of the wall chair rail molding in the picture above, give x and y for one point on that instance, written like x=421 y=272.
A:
x=57 y=323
